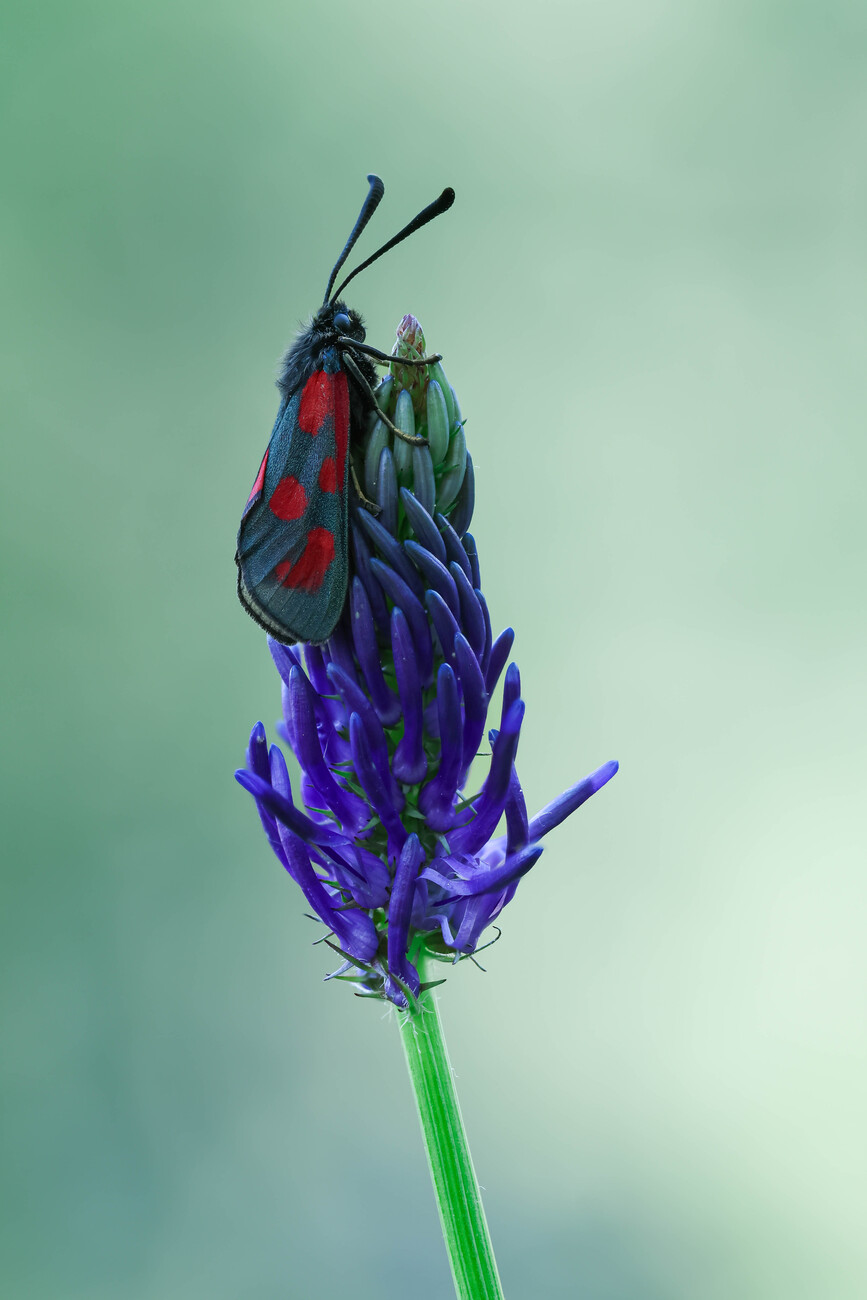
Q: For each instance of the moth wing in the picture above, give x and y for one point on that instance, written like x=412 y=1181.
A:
x=292 y=544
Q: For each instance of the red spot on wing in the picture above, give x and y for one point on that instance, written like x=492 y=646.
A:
x=260 y=478
x=317 y=401
x=307 y=573
x=328 y=475
x=288 y=500
x=327 y=395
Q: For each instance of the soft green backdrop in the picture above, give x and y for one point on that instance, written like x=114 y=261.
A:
x=650 y=296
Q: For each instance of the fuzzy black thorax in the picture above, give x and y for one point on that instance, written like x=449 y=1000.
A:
x=314 y=339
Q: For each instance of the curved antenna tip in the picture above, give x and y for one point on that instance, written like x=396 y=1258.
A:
x=435 y=209
x=371 y=203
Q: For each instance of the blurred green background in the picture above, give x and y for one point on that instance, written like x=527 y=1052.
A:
x=650 y=298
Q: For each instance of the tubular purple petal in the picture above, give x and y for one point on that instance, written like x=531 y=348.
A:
x=436 y=799
x=334 y=847
x=297 y=862
x=437 y=876
x=373 y=786
x=492 y=800
x=508 y=894
x=436 y=575
x=285 y=659
x=485 y=656
x=362 y=891
x=449 y=711
x=354 y=929
x=454 y=551
x=419 y=913
x=492 y=879
x=391 y=551
x=315 y=669
x=318 y=674
x=361 y=553
x=500 y=651
x=357 y=702
x=374 y=873
x=475 y=702
x=286 y=812
x=278 y=772
x=400 y=910
x=339 y=650
x=409 y=763
x=474 y=915
x=288 y=720
x=472 y=618
x=258 y=764
x=511 y=688
x=443 y=922
x=431 y=722
x=445 y=624
x=367 y=648
x=469 y=544
x=517 y=826
x=321 y=713
x=336 y=749
x=423 y=526
x=561 y=808
x=312 y=801
x=257 y=752
x=395 y=587
x=352 y=811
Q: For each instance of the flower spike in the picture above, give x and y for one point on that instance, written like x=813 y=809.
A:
x=386 y=718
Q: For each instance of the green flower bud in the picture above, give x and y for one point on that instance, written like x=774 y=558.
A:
x=421 y=401
x=379 y=438
x=437 y=422
x=383 y=391
x=458 y=418
x=456 y=466
x=437 y=373
x=404 y=418
x=412 y=379
x=409 y=338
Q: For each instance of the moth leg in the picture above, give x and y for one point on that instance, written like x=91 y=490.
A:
x=383 y=357
x=415 y=439
x=362 y=499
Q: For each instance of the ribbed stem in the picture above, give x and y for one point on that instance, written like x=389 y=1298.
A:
x=456 y=1187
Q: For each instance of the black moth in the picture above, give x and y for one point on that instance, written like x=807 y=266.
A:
x=293 y=555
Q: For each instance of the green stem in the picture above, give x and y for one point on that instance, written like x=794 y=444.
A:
x=456 y=1187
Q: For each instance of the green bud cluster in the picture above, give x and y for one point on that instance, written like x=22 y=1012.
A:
x=421 y=402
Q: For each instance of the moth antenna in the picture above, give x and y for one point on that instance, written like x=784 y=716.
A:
x=371 y=203
x=440 y=205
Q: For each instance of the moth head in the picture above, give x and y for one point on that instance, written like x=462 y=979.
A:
x=345 y=321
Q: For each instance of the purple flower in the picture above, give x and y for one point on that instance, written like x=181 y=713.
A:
x=386 y=718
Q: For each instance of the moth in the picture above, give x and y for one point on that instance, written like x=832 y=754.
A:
x=293 y=542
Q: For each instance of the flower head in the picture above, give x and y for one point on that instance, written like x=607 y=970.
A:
x=386 y=718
